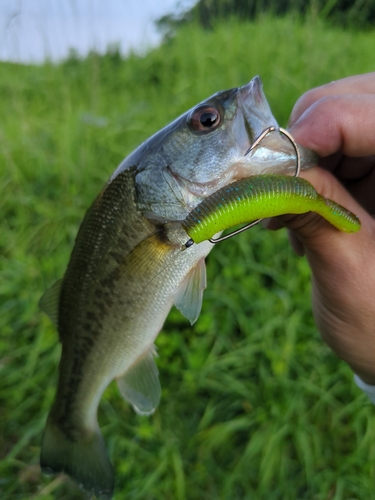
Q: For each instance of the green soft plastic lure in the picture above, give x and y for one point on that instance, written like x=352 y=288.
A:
x=263 y=196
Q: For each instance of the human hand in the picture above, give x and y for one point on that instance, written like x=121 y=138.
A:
x=338 y=122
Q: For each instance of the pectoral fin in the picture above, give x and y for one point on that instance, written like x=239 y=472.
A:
x=140 y=384
x=189 y=295
x=49 y=302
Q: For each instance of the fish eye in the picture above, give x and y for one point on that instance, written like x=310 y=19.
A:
x=204 y=119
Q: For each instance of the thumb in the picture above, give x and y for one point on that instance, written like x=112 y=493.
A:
x=343 y=270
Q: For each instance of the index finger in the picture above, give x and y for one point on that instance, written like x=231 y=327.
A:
x=359 y=84
x=336 y=123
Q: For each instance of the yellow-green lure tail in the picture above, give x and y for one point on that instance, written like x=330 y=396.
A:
x=263 y=196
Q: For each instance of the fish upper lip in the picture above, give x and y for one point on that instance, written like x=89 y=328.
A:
x=234 y=173
x=194 y=187
x=252 y=89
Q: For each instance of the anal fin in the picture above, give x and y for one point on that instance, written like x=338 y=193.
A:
x=140 y=384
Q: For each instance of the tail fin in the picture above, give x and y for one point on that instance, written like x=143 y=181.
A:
x=85 y=460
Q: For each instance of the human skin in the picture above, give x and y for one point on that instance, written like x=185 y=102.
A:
x=338 y=122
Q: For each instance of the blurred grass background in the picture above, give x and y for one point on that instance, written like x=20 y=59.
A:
x=254 y=406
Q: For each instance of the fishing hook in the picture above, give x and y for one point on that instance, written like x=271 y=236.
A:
x=254 y=145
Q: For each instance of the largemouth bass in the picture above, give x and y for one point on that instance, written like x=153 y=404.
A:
x=130 y=265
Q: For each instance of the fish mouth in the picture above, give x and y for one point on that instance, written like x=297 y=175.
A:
x=275 y=153
x=255 y=108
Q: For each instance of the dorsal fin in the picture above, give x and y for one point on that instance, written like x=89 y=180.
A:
x=189 y=295
x=49 y=302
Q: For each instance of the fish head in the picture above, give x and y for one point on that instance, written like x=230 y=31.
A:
x=207 y=148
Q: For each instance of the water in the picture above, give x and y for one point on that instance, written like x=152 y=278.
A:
x=33 y=30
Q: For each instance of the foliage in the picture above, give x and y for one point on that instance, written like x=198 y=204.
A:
x=358 y=13
x=254 y=405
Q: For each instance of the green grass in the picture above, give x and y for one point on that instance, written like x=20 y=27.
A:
x=254 y=405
